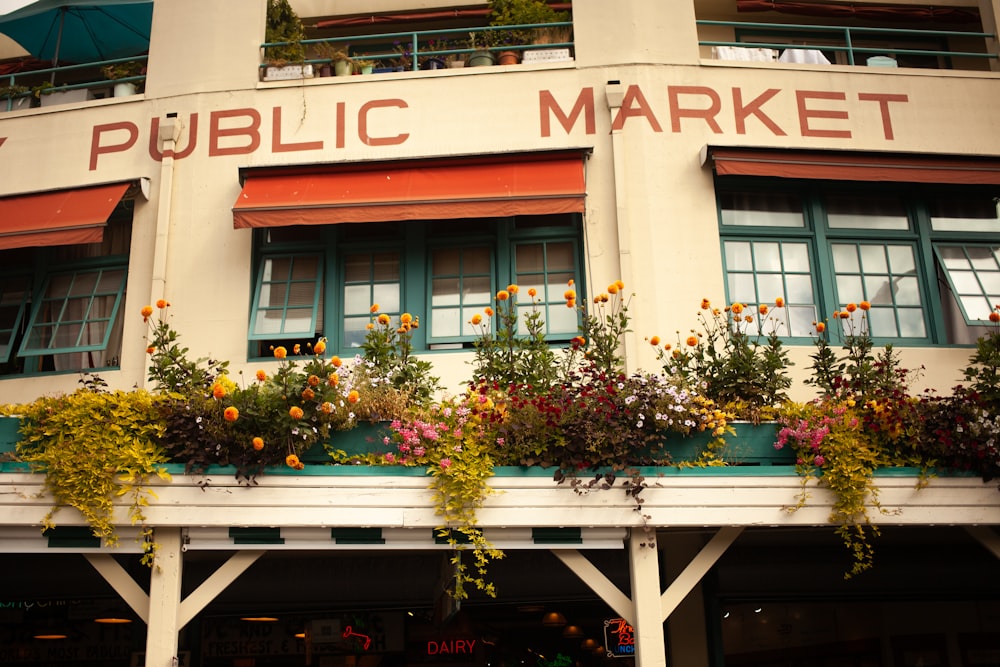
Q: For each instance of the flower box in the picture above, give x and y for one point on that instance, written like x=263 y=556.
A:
x=545 y=56
x=288 y=72
x=365 y=438
x=752 y=444
x=9 y=433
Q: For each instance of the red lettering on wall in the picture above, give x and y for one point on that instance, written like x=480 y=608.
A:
x=251 y=131
x=363 y=133
x=753 y=108
x=276 y=144
x=634 y=104
x=154 y=136
x=676 y=112
x=340 y=123
x=96 y=148
x=451 y=646
x=2 y=139
x=883 y=100
x=547 y=106
x=805 y=113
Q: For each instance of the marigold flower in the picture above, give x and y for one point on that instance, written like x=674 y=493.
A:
x=571 y=303
x=476 y=319
x=296 y=349
x=692 y=341
x=312 y=380
x=258 y=443
x=333 y=379
x=667 y=346
x=383 y=319
x=335 y=361
x=503 y=295
x=737 y=308
x=513 y=289
x=864 y=305
x=374 y=308
x=295 y=412
x=150 y=350
x=161 y=303
x=578 y=341
x=654 y=341
x=570 y=282
x=353 y=396
x=569 y=294
x=612 y=289
x=231 y=414
x=851 y=307
x=261 y=375
x=406 y=318
x=619 y=284
x=292 y=461
x=488 y=311
x=308 y=394
x=146 y=312
x=844 y=314
x=779 y=302
x=327 y=407
x=762 y=308
x=994 y=317
x=402 y=330
x=320 y=346
x=705 y=304
x=532 y=292
x=280 y=352
x=218 y=390
x=369 y=326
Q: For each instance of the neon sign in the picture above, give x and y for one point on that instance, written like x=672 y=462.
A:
x=363 y=640
x=619 y=638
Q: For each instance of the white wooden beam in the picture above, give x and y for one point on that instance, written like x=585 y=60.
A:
x=123 y=583
x=164 y=599
x=581 y=566
x=644 y=568
x=215 y=584
x=697 y=568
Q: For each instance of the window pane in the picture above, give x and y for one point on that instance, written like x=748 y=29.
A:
x=798 y=289
x=853 y=211
x=796 y=257
x=288 y=289
x=911 y=323
x=355 y=329
x=444 y=292
x=75 y=312
x=976 y=307
x=357 y=299
x=561 y=320
x=973 y=274
x=738 y=256
x=953 y=257
x=461 y=284
x=447 y=322
x=445 y=261
x=766 y=256
x=741 y=288
x=357 y=269
x=873 y=259
x=476 y=290
x=548 y=267
x=387 y=297
x=801 y=320
x=385 y=267
x=965 y=214
x=882 y=322
x=760 y=209
x=768 y=275
x=845 y=258
x=530 y=258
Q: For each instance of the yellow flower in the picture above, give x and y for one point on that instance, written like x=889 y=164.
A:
x=737 y=308
x=383 y=319
x=406 y=318
x=333 y=379
x=295 y=412
x=513 y=289
x=258 y=444
x=374 y=308
x=320 y=346
x=476 y=319
x=369 y=326
x=353 y=396
x=612 y=289
x=231 y=414
x=261 y=375
x=569 y=294
x=620 y=284
x=503 y=295
x=292 y=461
x=779 y=302
x=218 y=390
x=146 y=312
x=335 y=361
x=280 y=352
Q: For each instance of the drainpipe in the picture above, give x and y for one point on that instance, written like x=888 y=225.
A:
x=615 y=93
x=169 y=132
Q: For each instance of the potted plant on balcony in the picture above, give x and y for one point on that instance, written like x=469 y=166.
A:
x=526 y=12
x=14 y=97
x=125 y=70
x=338 y=57
x=481 y=43
x=286 y=59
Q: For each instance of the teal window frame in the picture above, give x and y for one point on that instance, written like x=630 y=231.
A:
x=282 y=305
x=918 y=237
x=415 y=243
x=15 y=294
x=984 y=273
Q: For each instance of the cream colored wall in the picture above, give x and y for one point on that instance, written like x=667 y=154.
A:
x=669 y=204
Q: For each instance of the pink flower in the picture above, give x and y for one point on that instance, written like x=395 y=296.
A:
x=389 y=458
x=419 y=451
x=818 y=460
x=445 y=463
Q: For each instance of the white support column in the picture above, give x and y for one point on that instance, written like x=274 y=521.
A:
x=164 y=599
x=215 y=584
x=697 y=568
x=597 y=582
x=122 y=582
x=647 y=618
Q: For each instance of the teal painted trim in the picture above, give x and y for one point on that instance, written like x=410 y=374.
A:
x=256 y=535
x=71 y=537
x=557 y=535
x=357 y=535
x=288 y=281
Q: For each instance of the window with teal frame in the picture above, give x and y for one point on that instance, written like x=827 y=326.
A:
x=14 y=294
x=926 y=258
x=442 y=272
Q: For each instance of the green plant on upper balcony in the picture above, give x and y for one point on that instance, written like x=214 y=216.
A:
x=123 y=70
x=522 y=12
x=284 y=28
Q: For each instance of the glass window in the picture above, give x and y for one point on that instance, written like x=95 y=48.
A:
x=288 y=296
x=965 y=213
x=14 y=295
x=369 y=279
x=461 y=285
x=761 y=209
x=973 y=273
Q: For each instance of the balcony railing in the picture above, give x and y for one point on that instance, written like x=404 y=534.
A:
x=855 y=43
x=39 y=82
x=414 y=47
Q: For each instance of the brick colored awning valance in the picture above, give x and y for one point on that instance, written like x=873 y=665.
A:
x=854 y=166
x=472 y=187
x=59 y=217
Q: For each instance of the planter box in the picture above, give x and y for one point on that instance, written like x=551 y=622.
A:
x=288 y=72
x=64 y=97
x=545 y=56
x=9 y=435
x=753 y=445
x=365 y=438
x=17 y=104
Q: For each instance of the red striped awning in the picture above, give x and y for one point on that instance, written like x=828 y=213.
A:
x=474 y=187
x=58 y=217
x=855 y=166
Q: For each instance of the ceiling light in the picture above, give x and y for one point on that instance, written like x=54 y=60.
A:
x=50 y=635
x=589 y=644
x=553 y=619
x=572 y=632
x=112 y=620
x=259 y=619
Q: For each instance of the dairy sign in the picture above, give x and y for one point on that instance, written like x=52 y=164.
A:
x=619 y=638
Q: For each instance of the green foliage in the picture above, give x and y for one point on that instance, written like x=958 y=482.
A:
x=95 y=447
x=983 y=371
x=170 y=370
x=123 y=70
x=283 y=25
x=602 y=329
x=388 y=348
x=15 y=90
x=522 y=12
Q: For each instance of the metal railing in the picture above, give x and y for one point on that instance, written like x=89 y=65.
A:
x=407 y=45
x=42 y=80
x=847 y=36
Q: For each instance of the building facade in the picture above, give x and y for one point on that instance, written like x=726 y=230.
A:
x=653 y=149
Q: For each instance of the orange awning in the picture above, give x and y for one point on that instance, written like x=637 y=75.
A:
x=59 y=217
x=475 y=187
x=851 y=166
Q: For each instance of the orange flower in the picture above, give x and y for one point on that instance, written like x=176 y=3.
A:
x=654 y=341
x=692 y=341
x=296 y=349
x=353 y=396
x=150 y=350
x=667 y=346
x=146 y=312
x=320 y=346
x=327 y=407
x=836 y=314
x=864 y=305
x=571 y=303
x=844 y=314
x=218 y=390
x=374 y=308
x=569 y=294
x=994 y=317
x=532 y=292
x=261 y=376
x=369 y=326
x=488 y=311
x=578 y=341
x=333 y=379
x=737 y=308
x=258 y=444
x=335 y=362
x=308 y=394
x=676 y=354
x=705 y=304
x=779 y=302
x=619 y=284
x=820 y=327
x=762 y=308
x=569 y=283
x=405 y=318
x=851 y=307
x=280 y=352
x=313 y=380
x=503 y=295
x=384 y=319
x=231 y=414
x=513 y=289
x=295 y=412
x=476 y=319
x=161 y=303
x=612 y=289
x=292 y=461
